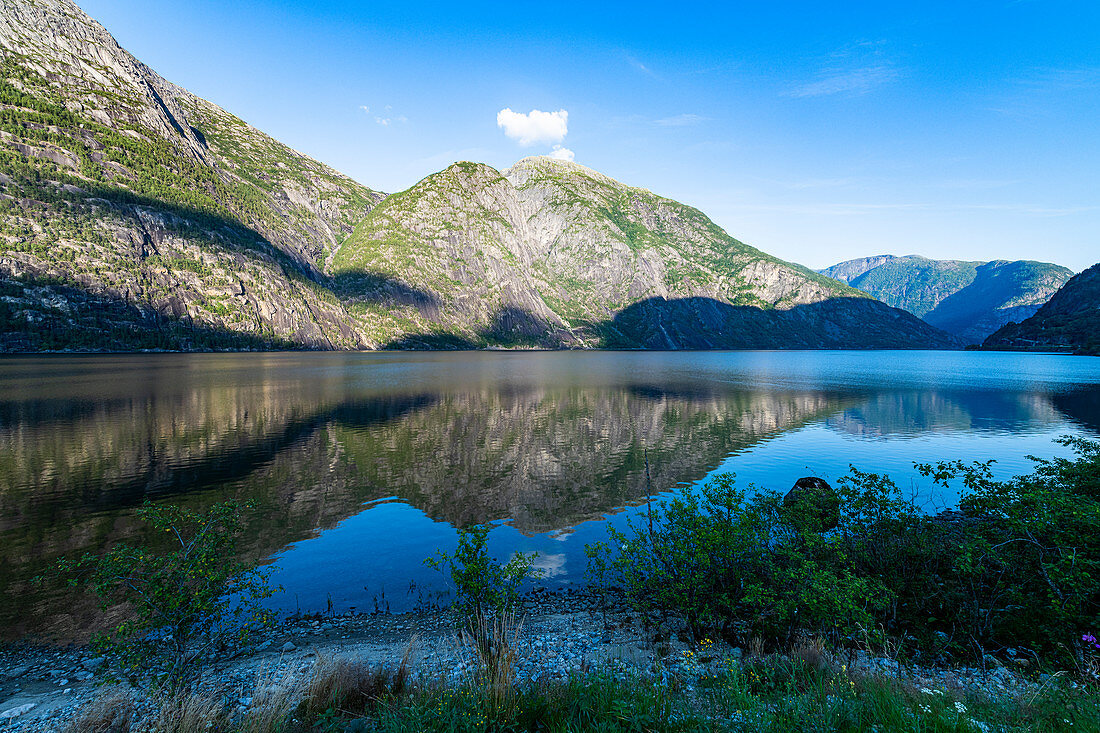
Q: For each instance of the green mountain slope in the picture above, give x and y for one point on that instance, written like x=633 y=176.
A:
x=551 y=253
x=134 y=214
x=968 y=299
x=1069 y=320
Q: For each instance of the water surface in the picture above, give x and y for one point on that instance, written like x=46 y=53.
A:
x=359 y=466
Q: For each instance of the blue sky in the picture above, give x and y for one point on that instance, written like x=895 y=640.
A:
x=815 y=131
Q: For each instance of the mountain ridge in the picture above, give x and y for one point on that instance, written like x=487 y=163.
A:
x=970 y=299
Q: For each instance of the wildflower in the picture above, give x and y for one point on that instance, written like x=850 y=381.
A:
x=960 y=708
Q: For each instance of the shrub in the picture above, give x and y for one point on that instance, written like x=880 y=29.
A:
x=487 y=593
x=483 y=586
x=737 y=565
x=186 y=596
x=1018 y=566
x=1026 y=567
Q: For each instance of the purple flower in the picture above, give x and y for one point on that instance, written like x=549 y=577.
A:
x=1088 y=639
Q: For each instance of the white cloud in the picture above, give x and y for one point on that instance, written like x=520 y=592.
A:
x=534 y=127
x=561 y=153
x=365 y=108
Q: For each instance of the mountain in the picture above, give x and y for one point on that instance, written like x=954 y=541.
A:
x=968 y=299
x=551 y=253
x=134 y=214
x=1070 y=319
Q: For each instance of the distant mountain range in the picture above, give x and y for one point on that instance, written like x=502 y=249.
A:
x=134 y=214
x=1069 y=320
x=968 y=299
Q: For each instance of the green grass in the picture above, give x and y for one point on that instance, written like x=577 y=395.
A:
x=777 y=694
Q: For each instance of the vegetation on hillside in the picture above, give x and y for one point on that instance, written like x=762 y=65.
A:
x=969 y=299
x=1069 y=320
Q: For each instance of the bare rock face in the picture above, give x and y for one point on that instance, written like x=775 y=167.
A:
x=134 y=214
x=160 y=220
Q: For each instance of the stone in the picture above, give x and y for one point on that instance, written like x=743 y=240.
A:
x=17 y=711
x=288 y=647
x=813 y=504
x=93 y=664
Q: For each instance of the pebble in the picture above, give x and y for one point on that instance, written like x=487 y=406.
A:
x=288 y=647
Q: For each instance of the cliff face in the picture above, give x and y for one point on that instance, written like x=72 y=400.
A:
x=134 y=214
x=968 y=299
x=1069 y=320
x=551 y=253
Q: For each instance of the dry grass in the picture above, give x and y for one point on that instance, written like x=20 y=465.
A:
x=495 y=641
x=810 y=652
x=272 y=703
x=112 y=711
x=190 y=712
x=352 y=686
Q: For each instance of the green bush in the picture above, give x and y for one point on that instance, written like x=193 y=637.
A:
x=186 y=597
x=1018 y=566
x=735 y=564
x=483 y=586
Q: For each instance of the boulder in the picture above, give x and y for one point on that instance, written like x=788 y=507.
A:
x=812 y=504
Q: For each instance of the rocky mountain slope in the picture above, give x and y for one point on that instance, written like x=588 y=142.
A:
x=134 y=214
x=550 y=253
x=968 y=299
x=1069 y=320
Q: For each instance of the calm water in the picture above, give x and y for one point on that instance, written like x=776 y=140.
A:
x=361 y=465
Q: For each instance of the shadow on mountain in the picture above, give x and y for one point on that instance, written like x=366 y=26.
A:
x=381 y=289
x=708 y=323
x=509 y=327
x=95 y=322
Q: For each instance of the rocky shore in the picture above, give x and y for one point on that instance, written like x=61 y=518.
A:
x=562 y=634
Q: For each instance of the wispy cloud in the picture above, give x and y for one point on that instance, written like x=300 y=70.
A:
x=682 y=120
x=849 y=81
x=854 y=69
x=637 y=64
x=1062 y=79
x=860 y=209
x=386 y=117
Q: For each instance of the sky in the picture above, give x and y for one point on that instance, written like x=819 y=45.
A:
x=817 y=132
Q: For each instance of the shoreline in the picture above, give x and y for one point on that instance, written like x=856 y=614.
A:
x=562 y=634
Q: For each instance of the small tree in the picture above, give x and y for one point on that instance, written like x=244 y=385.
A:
x=185 y=600
x=486 y=592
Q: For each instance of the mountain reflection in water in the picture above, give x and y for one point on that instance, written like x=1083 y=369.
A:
x=543 y=442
